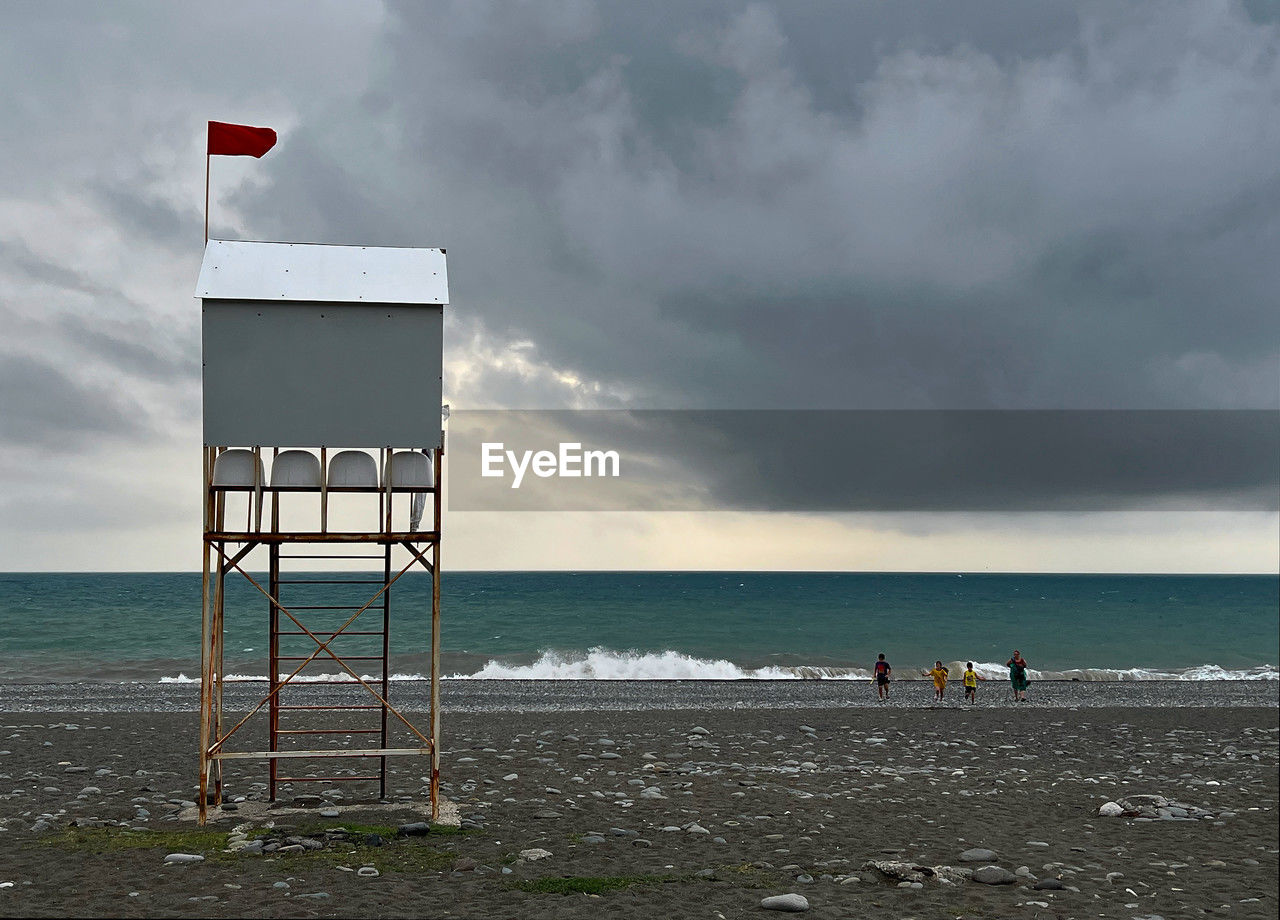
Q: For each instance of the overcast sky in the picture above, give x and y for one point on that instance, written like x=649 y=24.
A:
x=681 y=205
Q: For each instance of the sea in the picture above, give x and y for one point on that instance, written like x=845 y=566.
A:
x=144 y=628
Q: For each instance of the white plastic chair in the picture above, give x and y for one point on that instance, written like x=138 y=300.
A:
x=352 y=468
x=409 y=469
x=234 y=468
x=298 y=469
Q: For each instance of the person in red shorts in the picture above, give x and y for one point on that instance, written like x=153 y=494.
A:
x=882 y=672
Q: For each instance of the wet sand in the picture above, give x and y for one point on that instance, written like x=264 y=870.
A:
x=673 y=812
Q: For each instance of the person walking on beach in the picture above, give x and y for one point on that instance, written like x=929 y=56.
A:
x=970 y=683
x=939 y=675
x=1018 y=676
x=882 y=672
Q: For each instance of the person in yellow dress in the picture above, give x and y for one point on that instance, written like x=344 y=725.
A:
x=970 y=683
x=939 y=675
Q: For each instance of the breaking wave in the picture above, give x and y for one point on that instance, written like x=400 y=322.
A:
x=607 y=664
x=1199 y=672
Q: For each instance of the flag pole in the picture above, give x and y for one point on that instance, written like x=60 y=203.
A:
x=206 y=197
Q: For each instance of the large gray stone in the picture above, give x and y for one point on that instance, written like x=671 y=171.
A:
x=993 y=875
x=978 y=854
x=791 y=903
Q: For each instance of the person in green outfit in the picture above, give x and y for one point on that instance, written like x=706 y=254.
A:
x=1018 y=676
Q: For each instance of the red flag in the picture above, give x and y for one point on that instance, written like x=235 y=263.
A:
x=239 y=140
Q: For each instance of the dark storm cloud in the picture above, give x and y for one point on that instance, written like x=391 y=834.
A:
x=831 y=205
x=135 y=347
x=148 y=216
x=16 y=258
x=872 y=460
x=42 y=406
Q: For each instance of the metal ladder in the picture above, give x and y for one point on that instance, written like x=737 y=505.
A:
x=322 y=615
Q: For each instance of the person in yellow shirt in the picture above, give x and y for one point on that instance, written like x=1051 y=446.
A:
x=970 y=683
x=939 y=675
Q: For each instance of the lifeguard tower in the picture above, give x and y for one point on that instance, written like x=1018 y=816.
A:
x=322 y=386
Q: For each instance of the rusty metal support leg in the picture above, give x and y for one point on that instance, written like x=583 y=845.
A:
x=386 y=665
x=435 y=646
x=216 y=648
x=206 y=630
x=273 y=667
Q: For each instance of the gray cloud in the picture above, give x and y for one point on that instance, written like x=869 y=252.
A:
x=1011 y=205
x=710 y=203
x=16 y=258
x=872 y=460
x=148 y=215
x=136 y=347
x=42 y=406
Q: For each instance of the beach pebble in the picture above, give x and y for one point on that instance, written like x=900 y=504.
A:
x=366 y=872
x=791 y=903
x=978 y=854
x=1110 y=810
x=534 y=854
x=414 y=829
x=993 y=875
x=175 y=858
x=1048 y=884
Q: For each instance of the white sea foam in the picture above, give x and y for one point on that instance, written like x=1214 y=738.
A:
x=992 y=671
x=607 y=664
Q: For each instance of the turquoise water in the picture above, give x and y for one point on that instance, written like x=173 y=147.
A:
x=673 y=624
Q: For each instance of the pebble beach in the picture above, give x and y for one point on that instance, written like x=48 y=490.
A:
x=568 y=800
